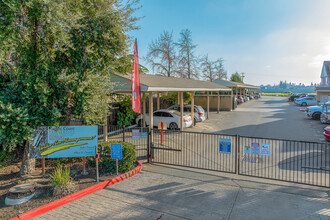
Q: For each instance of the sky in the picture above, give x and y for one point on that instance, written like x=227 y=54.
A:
x=268 y=40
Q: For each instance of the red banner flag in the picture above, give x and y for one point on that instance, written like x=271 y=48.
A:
x=135 y=83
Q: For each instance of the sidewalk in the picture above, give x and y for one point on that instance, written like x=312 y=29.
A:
x=165 y=192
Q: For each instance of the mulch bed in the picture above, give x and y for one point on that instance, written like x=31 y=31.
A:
x=9 y=177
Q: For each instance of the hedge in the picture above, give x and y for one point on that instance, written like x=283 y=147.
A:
x=108 y=165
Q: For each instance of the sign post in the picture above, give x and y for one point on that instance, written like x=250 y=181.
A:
x=116 y=153
x=97 y=168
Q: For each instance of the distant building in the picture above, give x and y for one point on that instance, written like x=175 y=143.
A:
x=323 y=89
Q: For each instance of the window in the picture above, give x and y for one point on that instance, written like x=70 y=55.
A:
x=166 y=114
x=157 y=114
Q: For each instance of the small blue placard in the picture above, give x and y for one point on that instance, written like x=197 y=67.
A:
x=255 y=148
x=225 y=146
x=116 y=151
x=143 y=134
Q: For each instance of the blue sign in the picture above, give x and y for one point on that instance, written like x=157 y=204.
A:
x=225 y=146
x=143 y=134
x=265 y=150
x=116 y=151
x=255 y=148
x=247 y=149
x=135 y=134
x=64 y=141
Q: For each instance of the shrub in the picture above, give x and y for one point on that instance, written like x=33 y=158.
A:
x=108 y=165
x=126 y=115
x=61 y=181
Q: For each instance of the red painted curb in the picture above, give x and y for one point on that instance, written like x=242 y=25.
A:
x=77 y=195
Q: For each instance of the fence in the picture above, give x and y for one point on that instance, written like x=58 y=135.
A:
x=190 y=149
x=122 y=133
x=285 y=160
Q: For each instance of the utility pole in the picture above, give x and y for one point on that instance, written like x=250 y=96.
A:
x=242 y=76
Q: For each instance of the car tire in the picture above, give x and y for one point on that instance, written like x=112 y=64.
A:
x=173 y=126
x=303 y=104
x=140 y=123
x=316 y=116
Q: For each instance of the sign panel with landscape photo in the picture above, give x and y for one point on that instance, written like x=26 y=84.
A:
x=64 y=141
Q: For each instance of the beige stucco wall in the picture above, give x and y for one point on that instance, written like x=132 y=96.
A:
x=321 y=93
x=225 y=102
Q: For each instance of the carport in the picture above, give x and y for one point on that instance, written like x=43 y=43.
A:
x=241 y=89
x=156 y=84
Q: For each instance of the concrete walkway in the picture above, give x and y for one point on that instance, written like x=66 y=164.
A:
x=165 y=192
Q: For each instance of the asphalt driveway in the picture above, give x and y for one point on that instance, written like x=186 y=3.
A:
x=270 y=116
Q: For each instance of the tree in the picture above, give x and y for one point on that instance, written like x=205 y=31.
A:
x=54 y=60
x=236 y=77
x=207 y=68
x=161 y=54
x=187 y=59
x=220 y=72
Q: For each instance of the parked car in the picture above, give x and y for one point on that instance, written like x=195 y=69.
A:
x=314 y=112
x=326 y=132
x=256 y=96
x=325 y=115
x=170 y=117
x=304 y=96
x=199 y=115
x=250 y=97
x=306 y=101
x=240 y=99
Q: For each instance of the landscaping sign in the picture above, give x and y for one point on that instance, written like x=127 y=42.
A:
x=63 y=141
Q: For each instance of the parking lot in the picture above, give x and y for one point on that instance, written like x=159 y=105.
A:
x=271 y=117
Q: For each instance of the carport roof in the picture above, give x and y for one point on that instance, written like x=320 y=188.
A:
x=234 y=84
x=156 y=83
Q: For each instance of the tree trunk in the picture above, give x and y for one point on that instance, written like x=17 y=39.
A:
x=28 y=165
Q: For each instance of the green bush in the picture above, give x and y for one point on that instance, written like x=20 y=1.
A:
x=3 y=158
x=14 y=128
x=108 y=165
x=126 y=116
x=61 y=181
x=294 y=97
x=60 y=177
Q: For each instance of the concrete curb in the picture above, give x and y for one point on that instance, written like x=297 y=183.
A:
x=77 y=195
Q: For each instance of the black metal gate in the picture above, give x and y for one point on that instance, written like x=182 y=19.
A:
x=285 y=160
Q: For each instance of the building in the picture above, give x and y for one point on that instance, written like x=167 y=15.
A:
x=323 y=89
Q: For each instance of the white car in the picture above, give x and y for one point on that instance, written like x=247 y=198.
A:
x=306 y=101
x=170 y=117
x=199 y=113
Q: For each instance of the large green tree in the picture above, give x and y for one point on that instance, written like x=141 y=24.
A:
x=236 y=77
x=54 y=60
